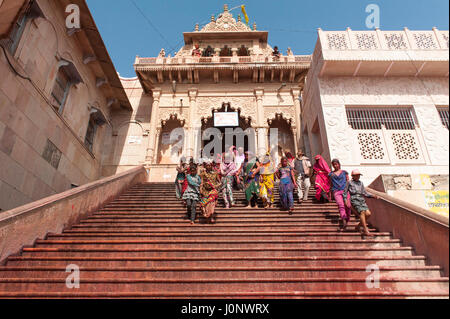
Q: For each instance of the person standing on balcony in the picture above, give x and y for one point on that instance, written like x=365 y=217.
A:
x=267 y=172
x=302 y=167
x=321 y=171
x=192 y=193
x=196 y=52
x=287 y=185
x=228 y=170
x=339 y=179
x=357 y=192
x=276 y=54
x=209 y=190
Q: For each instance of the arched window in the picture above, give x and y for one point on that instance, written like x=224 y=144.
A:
x=30 y=12
x=243 y=51
x=96 y=120
x=226 y=51
x=66 y=76
x=208 y=52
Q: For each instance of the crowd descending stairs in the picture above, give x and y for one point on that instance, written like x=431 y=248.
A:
x=140 y=246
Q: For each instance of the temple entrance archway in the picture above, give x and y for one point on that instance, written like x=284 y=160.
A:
x=243 y=136
x=286 y=138
x=171 y=140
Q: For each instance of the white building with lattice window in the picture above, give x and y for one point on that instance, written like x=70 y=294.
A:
x=378 y=101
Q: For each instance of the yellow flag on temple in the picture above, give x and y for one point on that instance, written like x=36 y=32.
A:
x=245 y=14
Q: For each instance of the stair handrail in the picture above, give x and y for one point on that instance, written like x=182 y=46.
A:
x=425 y=231
x=411 y=207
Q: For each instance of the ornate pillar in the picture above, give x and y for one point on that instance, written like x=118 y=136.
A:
x=157 y=138
x=261 y=125
x=150 y=158
x=297 y=125
x=294 y=133
x=193 y=124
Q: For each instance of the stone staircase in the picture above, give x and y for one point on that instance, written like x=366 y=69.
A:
x=140 y=246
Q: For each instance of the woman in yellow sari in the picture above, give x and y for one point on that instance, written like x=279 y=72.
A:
x=267 y=181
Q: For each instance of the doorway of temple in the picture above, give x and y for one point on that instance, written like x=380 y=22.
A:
x=285 y=143
x=215 y=121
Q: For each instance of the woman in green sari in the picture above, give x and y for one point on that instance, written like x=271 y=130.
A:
x=251 y=180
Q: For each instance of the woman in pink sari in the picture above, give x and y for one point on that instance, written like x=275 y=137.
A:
x=323 y=186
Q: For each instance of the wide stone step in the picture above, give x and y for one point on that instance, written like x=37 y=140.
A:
x=220 y=218
x=215 y=244
x=198 y=237
x=188 y=227
x=231 y=213
x=417 y=261
x=274 y=284
x=231 y=295
x=52 y=272
x=124 y=252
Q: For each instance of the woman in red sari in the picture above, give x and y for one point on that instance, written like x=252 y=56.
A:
x=321 y=171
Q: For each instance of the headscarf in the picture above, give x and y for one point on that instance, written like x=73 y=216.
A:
x=321 y=165
x=228 y=166
x=267 y=166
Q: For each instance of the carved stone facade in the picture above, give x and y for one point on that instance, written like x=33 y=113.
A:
x=351 y=73
x=246 y=105
x=223 y=63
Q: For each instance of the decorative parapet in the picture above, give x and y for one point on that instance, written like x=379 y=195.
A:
x=385 y=45
x=382 y=53
x=384 y=40
x=153 y=64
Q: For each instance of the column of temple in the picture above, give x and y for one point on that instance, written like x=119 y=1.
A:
x=296 y=126
x=194 y=124
x=261 y=126
x=151 y=154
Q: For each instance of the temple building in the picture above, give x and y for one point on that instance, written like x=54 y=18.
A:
x=88 y=162
x=376 y=100
x=233 y=71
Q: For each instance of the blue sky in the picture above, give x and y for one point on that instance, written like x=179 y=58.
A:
x=293 y=23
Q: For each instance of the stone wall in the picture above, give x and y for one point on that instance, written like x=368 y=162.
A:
x=28 y=122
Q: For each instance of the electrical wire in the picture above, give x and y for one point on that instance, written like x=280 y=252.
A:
x=152 y=25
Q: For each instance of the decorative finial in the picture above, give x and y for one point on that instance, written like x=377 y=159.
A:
x=239 y=18
x=254 y=26
x=212 y=18
x=197 y=27
x=225 y=8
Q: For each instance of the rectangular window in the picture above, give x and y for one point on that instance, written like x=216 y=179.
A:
x=52 y=154
x=375 y=118
x=90 y=134
x=443 y=113
x=60 y=89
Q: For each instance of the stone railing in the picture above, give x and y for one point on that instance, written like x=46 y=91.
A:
x=24 y=225
x=303 y=59
x=384 y=40
x=425 y=231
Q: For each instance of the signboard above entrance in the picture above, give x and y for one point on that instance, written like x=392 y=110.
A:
x=226 y=119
